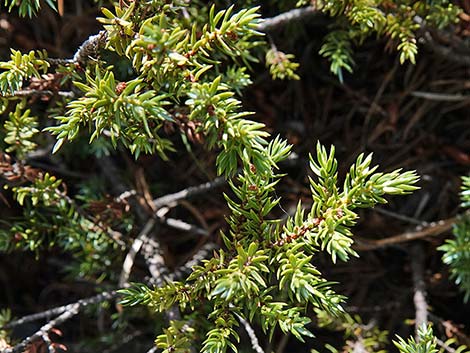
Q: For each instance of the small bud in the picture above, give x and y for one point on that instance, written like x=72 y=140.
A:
x=339 y=213
x=120 y=87
x=17 y=237
x=211 y=110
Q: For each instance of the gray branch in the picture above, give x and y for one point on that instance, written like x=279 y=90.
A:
x=170 y=199
x=152 y=350
x=446 y=347
x=47 y=340
x=60 y=309
x=42 y=332
x=203 y=253
x=38 y=92
x=133 y=251
x=90 y=48
x=184 y=226
x=251 y=333
x=270 y=24
x=419 y=287
x=440 y=97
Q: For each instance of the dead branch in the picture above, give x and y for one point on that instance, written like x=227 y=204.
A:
x=419 y=287
x=73 y=310
x=171 y=199
x=270 y=24
x=152 y=350
x=434 y=228
x=184 y=226
x=251 y=333
x=61 y=309
x=133 y=251
x=442 y=344
x=440 y=97
x=38 y=92
x=203 y=253
x=90 y=48
x=65 y=312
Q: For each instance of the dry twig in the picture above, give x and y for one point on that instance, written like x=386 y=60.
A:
x=61 y=309
x=251 y=333
x=445 y=346
x=171 y=199
x=433 y=229
x=282 y=19
x=419 y=287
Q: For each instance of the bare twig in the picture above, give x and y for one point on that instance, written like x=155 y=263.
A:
x=151 y=249
x=442 y=97
x=203 y=253
x=152 y=350
x=56 y=61
x=419 y=287
x=71 y=312
x=171 y=199
x=272 y=23
x=153 y=255
x=90 y=48
x=251 y=333
x=60 y=309
x=38 y=92
x=135 y=248
x=151 y=258
x=184 y=226
x=434 y=228
x=47 y=340
x=446 y=347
